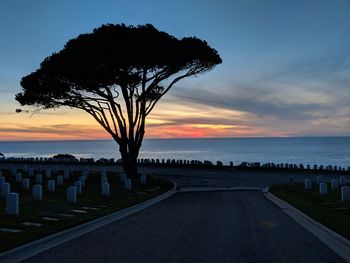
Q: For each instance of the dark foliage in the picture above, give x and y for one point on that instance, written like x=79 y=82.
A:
x=64 y=156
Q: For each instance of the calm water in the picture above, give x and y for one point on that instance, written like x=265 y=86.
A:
x=305 y=150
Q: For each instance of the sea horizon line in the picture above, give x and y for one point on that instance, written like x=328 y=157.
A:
x=184 y=138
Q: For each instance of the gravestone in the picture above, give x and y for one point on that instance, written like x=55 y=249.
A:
x=82 y=180
x=66 y=174
x=59 y=180
x=48 y=173
x=127 y=184
x=319 y=179
x=13 y=170
x=72 y=194
x=291 y=179
x=37 y=192
x=308 y=184
x=86 y=172
x=18 y=177
x=105 y=189
x=104 y=180
x=25 y=183
x=12 y=204
x=30 y=172
x=51 y=185
x=123 y=177
x=323 y=188
x=345 y=193
x=38 y=179
x=78 y=186
x=5 y=189
x=143 y=179
x=342 y=180
x=334 y=184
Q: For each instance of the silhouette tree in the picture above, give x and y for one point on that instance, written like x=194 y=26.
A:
x=117 y=74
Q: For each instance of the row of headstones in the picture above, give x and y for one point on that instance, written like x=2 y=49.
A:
x=56 y=160
x=323 y=186
x=12 y=199
x=178 y=162
x=48 y=171
x=297 y=166
x=244 y=164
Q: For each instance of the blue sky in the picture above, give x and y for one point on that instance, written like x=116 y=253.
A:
x=285 y=68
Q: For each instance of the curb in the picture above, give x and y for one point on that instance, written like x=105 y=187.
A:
x=331 y=239
x=35 y=247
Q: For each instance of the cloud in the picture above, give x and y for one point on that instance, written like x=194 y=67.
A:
x=305 y=98
x=49 y=132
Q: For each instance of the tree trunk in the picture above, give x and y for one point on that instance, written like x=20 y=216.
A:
x=129 y=164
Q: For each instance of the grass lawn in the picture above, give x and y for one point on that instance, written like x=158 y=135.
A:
x=328 y=209
x=90 y=205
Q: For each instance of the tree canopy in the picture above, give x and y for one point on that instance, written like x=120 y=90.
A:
x=117 y=74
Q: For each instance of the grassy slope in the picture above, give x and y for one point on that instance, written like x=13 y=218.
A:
x=328 y=210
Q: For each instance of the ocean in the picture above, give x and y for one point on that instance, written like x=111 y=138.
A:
x=296 y=150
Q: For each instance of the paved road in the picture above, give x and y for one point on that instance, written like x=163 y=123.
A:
x=211 y=227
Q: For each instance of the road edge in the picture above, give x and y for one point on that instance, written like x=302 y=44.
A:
x=330 y=238
x=35 y=247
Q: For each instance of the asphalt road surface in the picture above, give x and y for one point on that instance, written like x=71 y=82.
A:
x=240 y=226
x=227 y=178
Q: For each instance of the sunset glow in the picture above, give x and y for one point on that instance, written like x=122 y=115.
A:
x=296 y=84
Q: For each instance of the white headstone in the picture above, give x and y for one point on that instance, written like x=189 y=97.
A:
x=12 y=204
x=104 y=180
x=13 y=170
x=72 y=194
x=5 y=189
x=25 y=183
x=30 y=172
x=345 y=193
x=323 y=188
x=319 y=179
x=308 y=184
x=48 y=173
x=37 y=192
x=291 y=179
x=18 y=177
x=127 y=184
x=123 y=177
x=143 y=179
x=334 y=184
x=66 y=174
x=38 y=179
x=342 y=180
x=105 y=189
x=51 y=185
x=86 y=172
x=82 y=180
x=59 y=180
x=78 y=186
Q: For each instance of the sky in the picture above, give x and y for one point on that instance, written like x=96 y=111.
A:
x=285 y=70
